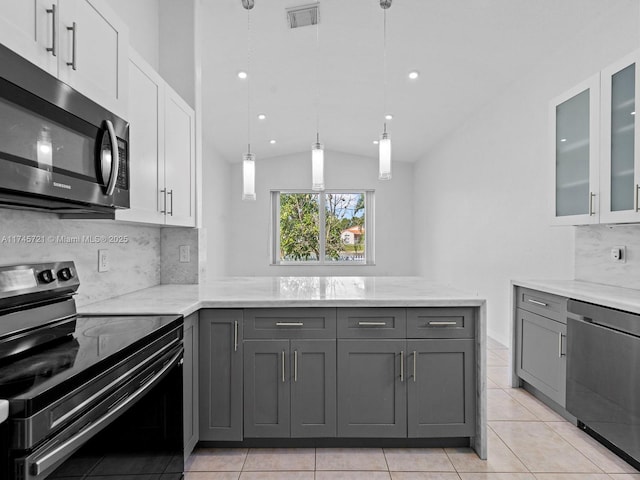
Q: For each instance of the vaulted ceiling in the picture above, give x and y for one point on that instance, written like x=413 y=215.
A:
x=467 y=52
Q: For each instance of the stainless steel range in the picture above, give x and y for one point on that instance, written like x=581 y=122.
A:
x=89 y=397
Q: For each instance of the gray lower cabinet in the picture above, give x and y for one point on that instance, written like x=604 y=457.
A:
x=540 y=354
x=441 y=388
x=289 y=388
x=221 y=375
x=190 y=371
x=372 y=396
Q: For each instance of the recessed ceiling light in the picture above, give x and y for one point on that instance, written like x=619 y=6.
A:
x=242 y=75
x=272 y=142
x=414 y=74
x=376 y=142
x=261 y=116
x=563 y=139
x=388 y=116
x=633 y=113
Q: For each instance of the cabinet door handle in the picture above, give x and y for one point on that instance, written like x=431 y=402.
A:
x=283 y=354
x=402 y=365
x=372 y=324
x=592 y=210
x=164 y=196
x=560 y=352
x=536 y=302
x=289 y=324
x=637 y=195
x=235 y=336
x=74 y=34
x=170 y=193
x=53 y=48
x=441 y=323
x=295 y=365
x=415 y=365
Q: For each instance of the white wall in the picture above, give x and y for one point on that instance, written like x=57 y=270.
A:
x=482 y=214
x=247 y=224
x=142 y=17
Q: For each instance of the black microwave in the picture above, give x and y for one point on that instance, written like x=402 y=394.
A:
x=59 y=151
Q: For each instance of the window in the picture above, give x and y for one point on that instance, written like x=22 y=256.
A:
x=322 y=228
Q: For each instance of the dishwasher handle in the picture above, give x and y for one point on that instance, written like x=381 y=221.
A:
x=625 y=322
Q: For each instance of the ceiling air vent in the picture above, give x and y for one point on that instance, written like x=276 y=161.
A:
x=303 y=15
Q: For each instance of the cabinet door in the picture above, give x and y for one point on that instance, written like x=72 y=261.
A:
x=267 y=391
x=540 y=354
x=221 y=375
x=313 y=388
x=27 y=28
x=441 y=388
x=190 y=384
x=94 y=55
x=146 y=151
x=372 y=398
x=575 y=131
x=179 y=145
x=620 y=160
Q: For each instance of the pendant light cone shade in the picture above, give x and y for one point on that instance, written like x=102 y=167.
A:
x=317 y=167
x=249 y=176
x=385 y=157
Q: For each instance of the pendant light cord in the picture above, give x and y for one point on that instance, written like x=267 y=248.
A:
x=248 y=80
x=317 y=81
x=384 y=69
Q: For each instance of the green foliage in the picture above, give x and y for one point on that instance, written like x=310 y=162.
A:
x=300 y=220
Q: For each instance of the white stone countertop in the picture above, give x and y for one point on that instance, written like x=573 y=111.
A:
x=257 y=292
x=627 y=299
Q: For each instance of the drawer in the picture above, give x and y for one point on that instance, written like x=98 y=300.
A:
x=372 y=323
x=290 y=323
x=542 y=303
x=435 y=322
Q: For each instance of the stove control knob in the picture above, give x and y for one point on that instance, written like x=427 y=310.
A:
x=46 y=276
x=65 y=274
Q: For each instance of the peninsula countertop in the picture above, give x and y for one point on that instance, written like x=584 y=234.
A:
x=264 y=292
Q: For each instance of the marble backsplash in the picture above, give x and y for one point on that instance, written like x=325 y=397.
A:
x=134 y=251
x=174 y=271
x=592 y=254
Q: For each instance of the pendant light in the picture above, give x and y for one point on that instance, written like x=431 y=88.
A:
x=384 y=145
x=317 y=149
x=248 y=159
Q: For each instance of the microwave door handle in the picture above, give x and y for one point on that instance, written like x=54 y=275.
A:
x=115 y=160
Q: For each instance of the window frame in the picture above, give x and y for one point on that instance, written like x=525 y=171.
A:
x=369 y=239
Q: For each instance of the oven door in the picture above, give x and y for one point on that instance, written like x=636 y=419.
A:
x=135 y=432
x=57 y=145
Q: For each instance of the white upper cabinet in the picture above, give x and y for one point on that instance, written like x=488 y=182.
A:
x=574 y=119
x=30 y=28
x=82 y=42
x=162 y=151
x=620 y=159
x=179 y=150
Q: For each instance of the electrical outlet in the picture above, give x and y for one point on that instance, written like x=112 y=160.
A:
x=185 y=253
x=103 y=260
x=619 y=254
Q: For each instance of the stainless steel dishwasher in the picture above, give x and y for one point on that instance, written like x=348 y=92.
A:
x=603 y=375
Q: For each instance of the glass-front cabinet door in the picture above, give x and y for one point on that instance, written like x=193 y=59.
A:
x=574 y=121
x=620 y=159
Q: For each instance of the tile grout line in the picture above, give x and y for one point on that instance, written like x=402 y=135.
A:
x=508 y=447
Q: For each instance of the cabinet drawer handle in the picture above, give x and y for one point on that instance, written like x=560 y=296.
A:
x=592 y=210
x=235 y=336
x=560 y=352
x=289 y=324
x=295 y=365
x=442 y=323
x=74 y=34
x=415 y=365
x=53 y=48
x=164 y=196
x=171 y=194
x=402 y=365
x=283 y=354
x=637 y=195
x=372 y=324
x=536 y=302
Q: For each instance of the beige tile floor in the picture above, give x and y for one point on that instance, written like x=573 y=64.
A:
x=527 y=441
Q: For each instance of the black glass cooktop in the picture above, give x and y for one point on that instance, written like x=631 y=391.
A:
x=96 y=344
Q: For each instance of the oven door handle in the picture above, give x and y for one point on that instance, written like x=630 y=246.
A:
x=42 y=464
